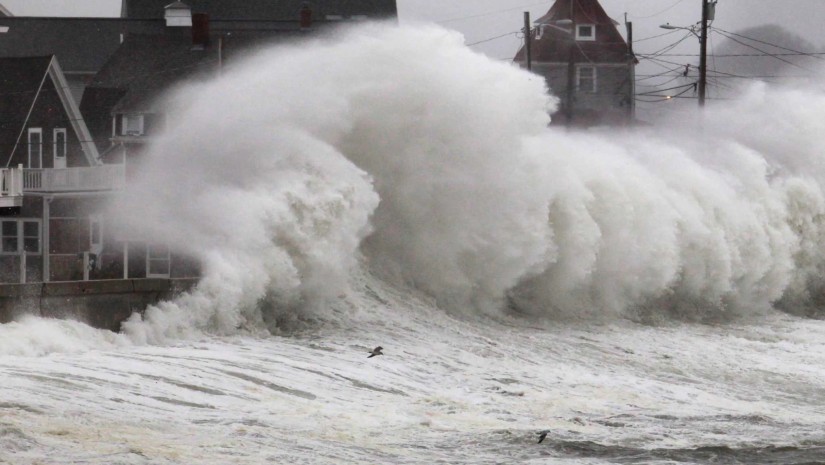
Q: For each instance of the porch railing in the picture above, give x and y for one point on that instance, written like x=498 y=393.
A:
x=93 y=178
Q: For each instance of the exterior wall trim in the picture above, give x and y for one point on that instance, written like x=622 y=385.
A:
x=26 y=121
x=75 y=117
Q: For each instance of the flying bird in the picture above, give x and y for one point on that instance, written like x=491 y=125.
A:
x=542 y=435
x=376 y=351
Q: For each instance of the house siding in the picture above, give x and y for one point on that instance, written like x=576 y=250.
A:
x=48 y=114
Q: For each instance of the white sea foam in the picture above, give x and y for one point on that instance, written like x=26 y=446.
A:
x=436 y=164
x=389 y=174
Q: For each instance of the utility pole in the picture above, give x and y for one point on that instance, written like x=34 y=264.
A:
x=631 y=74
x=528 y=41
x=571 y=70
x=703 y=54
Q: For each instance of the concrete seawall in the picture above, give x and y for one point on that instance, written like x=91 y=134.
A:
x=101 y=304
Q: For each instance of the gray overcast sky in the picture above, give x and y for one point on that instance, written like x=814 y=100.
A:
x=479 y=20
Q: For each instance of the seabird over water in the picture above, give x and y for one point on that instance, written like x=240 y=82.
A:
x=542 y=435
x=376 y=351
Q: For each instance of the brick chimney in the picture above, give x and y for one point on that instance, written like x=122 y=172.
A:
x=200 y=30
x=306 y=16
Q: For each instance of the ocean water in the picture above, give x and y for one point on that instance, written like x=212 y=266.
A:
x=643 y=296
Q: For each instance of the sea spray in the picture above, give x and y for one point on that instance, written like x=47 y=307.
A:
x=272 y=176
x=267 y=188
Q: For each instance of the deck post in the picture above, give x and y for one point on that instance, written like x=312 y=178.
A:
x=47 y=201
x=23 y=267
x=86 y=265
x=125 y=259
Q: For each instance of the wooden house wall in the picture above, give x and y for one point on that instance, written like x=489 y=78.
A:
x=48 y=114
x=610 y=102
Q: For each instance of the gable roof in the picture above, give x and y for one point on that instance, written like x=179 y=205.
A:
x=554 y=45
x=584 y=12
x=280 y=10
x=21 y=80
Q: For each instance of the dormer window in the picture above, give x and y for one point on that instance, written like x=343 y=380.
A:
x=178 y=14
x=586 y=32
x=132 y=125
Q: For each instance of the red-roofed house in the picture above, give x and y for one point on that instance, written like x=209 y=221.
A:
x=586 y=63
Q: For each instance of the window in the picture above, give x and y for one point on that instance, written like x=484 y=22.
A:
x=35 y=148
x=20 y=235
x=586 y=32
x=586 y=79
x=60 y=146
x=158 y=261
x=132 y=125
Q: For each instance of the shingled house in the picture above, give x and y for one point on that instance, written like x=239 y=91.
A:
x=53 y=182
x=118 y=68
x=586 y=63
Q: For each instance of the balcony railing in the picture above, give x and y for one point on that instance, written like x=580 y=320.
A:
x=93 y=178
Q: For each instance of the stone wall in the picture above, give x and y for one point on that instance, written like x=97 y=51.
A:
x=101 y=304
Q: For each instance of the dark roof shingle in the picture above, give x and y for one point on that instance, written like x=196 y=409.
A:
x=20 y=79
x=281 y=10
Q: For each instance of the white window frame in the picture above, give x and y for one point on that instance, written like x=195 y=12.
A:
x=20 y=237
x=581 y=37
x=137 y=119
x=65 y=145
x=163 y=257
x=39 y=146
x=594 y=84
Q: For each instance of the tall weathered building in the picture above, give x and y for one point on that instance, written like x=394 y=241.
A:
x=586 y=62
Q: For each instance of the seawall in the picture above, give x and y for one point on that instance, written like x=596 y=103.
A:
x=102 y=304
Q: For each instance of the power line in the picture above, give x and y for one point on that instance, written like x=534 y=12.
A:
x=656 y=36
x=663 y=11
x=493 y=38
x=460 y=18
x=814 y=55
x=725 y=55
x=691 y=85
x=763 y=51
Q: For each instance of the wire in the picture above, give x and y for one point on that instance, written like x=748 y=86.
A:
x=460 y=18
x=493 y=38
x=663 y=11
x=797 y=52
x=656 y=36
x=663 y=73
x=763 y=51
x=666 y=48
x=692 y=84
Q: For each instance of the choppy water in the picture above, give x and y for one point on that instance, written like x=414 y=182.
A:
x=643 y=295
x=447 y=390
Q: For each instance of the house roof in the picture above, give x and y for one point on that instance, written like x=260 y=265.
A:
x=555 y=44
x=584 y=12
x=4 y=11
x=146 y=65
x=281 y=10
x=92 y=40
x=21 y=81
